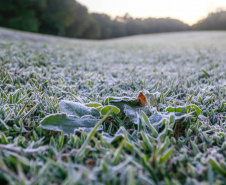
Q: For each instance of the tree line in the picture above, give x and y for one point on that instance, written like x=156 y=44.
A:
x=214 y=21
x=68 y=18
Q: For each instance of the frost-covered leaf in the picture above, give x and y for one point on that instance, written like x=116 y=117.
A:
x=121 y=101
x=157 y=118
x=67 y=124
x=147 y=122
x=77 y=109
x=133 y=112
x=152 y=100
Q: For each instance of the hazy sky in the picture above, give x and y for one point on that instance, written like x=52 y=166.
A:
x=188 y=11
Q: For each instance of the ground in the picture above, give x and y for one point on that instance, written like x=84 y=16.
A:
x=183 y=76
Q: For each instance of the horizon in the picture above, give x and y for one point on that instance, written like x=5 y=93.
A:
x=176 y=9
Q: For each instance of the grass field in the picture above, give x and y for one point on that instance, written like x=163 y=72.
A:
x=178 y=137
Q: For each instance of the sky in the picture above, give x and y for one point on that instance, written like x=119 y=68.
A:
x=189 y=11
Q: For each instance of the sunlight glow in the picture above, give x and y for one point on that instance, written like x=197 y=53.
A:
x=188 y=11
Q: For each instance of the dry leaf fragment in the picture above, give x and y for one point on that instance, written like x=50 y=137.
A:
x=141 y=98
x=90 y=162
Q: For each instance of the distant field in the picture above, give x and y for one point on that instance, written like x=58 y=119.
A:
x=179 y=137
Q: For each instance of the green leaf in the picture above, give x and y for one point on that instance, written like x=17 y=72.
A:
x=146 y=142
x=118 y=152
x=77 y=109
x=185 y=109
x=93 y=104
x=61 y=140
x=111 y=108
x=175 y=109
x=168 y=91
x=205 y=73
x=4 y=139
x=197 y=109
x=166 y=155
x=98 y=106
x=67 y=124
x=146 y=120
x=119 y=99
x=195 y=147
x=22 y=99
x=217 y=166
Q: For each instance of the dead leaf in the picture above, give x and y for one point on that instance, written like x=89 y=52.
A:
x=141 y=98
x=90 y=162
